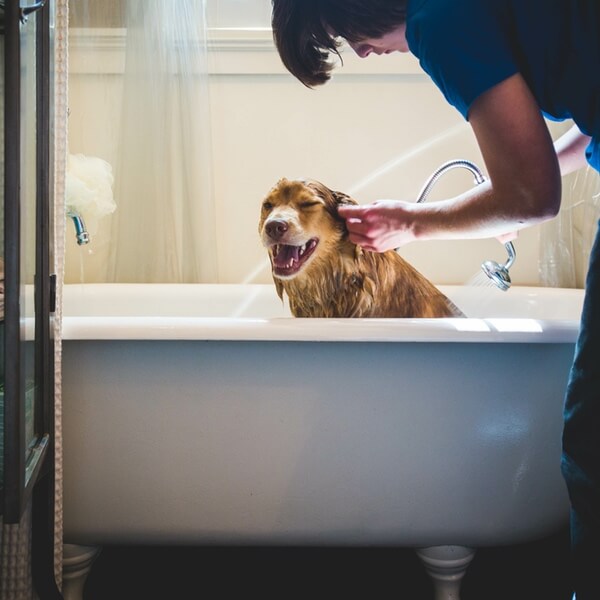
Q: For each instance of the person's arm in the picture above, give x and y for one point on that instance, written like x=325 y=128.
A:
x=524 y=184
x=570 y=151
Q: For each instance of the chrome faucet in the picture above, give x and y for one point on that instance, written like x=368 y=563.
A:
x=81 y=234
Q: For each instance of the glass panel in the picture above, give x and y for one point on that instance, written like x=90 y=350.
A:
x=97 y=13
x=28 y=218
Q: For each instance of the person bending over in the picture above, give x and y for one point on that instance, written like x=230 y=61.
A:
x=505 y=65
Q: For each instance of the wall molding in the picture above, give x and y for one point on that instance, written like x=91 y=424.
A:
x=232 y=51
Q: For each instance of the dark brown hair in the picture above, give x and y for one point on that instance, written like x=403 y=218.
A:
x=306 y=31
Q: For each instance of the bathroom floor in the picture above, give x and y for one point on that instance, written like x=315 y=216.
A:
x=532 y=571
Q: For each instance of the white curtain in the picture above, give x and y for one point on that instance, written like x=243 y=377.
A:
x=151 y=121
x=566 y=241
x=164 y=227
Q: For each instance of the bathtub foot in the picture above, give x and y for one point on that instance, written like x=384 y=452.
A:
x=446 y=565
x=77 y=563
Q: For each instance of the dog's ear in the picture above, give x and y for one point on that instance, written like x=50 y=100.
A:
x=341 y=198
x=332 y=198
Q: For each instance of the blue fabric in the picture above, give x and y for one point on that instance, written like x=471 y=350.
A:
x=581 y=439
x=469 y=46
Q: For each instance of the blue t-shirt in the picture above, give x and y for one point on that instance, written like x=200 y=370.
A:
x=468 y=46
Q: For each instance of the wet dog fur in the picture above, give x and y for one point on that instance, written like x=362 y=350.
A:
x=324 y=274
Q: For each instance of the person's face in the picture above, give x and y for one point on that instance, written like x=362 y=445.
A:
x=394 y=41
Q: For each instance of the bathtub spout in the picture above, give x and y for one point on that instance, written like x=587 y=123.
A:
x=81 y=234
x=497 y=273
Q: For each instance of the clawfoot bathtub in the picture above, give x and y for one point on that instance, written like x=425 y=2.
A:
x=201 y=414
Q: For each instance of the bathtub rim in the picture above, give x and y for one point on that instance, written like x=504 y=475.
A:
x=286 y=328
x=499 y=330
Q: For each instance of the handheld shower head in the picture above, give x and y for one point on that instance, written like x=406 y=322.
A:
x=499 y=273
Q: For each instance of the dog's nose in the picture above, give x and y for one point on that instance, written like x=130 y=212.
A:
x=276 y=228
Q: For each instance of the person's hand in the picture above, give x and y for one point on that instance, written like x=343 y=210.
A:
x=380 y=226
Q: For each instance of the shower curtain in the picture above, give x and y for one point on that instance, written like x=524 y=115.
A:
x=163 y=228
x=566 y=241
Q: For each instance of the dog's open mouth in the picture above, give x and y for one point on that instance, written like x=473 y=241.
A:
x=288 y=260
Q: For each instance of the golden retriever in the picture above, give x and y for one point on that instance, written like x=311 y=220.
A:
x=324 y=274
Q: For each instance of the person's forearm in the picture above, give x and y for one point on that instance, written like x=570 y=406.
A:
x=481 y=212
x=570 y=150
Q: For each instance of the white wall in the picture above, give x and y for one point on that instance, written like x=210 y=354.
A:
x=377 y=130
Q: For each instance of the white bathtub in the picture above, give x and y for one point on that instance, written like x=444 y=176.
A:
x=201 y=414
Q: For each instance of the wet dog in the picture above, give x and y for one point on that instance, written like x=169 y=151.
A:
x=324 y=274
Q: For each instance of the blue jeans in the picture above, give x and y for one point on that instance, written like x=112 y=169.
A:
x=581 y=440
